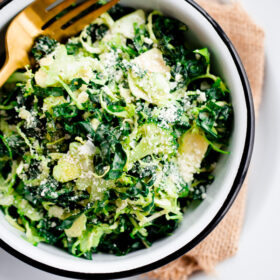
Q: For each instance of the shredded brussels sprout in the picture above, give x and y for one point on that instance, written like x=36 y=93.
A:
x=110 y=137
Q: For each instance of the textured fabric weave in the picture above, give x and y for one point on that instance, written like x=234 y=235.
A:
x=222 y=243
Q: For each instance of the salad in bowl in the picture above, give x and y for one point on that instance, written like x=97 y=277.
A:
x=124 y=146
x=111 y=136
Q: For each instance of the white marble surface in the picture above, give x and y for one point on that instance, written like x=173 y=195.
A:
x=258 y=256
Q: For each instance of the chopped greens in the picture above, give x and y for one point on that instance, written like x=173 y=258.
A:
x=111 y=136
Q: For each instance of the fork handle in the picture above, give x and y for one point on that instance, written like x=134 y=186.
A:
x=7 y=70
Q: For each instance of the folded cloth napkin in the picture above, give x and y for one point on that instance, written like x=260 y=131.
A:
x=222 y=243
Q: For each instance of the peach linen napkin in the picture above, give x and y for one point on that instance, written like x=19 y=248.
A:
x=222 y=243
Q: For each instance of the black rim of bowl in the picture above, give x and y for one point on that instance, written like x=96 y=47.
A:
x=240 y=176
x=4 y=3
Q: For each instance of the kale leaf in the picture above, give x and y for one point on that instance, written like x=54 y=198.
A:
x=65 y=111
x=49 y=91
x=96 y=31
x=43 y=46
x=82 y=129
x=118 y=163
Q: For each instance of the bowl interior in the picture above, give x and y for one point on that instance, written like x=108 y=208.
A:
x=202 y=34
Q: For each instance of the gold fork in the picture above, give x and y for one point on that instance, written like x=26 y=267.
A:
x=28 y=24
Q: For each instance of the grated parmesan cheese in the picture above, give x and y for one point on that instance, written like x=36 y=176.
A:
x=27 y=116
x=202 y=96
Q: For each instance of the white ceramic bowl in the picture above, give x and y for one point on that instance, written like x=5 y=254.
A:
x=230 y=171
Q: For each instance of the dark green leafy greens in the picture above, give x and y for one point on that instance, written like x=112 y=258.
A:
x=43 y=46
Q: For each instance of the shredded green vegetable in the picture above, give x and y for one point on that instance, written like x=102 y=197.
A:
x=109 y=138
